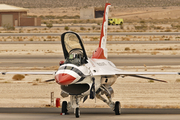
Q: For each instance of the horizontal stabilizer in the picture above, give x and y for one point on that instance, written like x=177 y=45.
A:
x=49 y=80
x=138 y=76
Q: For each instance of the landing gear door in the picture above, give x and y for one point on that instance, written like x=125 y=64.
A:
x=73 y=47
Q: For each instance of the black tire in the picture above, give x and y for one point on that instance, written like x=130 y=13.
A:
x=117 y=108
x=77 y=113
x=64 y=107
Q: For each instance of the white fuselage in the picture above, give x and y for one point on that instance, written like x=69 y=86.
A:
x=94 y=68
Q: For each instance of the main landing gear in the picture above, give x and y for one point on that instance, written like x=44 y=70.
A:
x=77 y=113
x=107 y=91
x=64 y=108
x=117 y=108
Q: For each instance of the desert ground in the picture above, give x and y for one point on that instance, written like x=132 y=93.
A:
x=139 y=16
x=32 y=91
x=113 y=49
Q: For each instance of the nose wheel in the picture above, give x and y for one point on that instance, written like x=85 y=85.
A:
x=77 y=112
x=75 y=104
x=117 y=108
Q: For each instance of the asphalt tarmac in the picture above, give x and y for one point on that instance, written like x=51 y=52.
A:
x=92 y=42
x=88 y=113
x=91 y=34
x=120 y=60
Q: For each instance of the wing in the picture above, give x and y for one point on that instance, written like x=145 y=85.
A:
x=30 y=73
x=127 y=73
x=146 y=73
x=135 y=74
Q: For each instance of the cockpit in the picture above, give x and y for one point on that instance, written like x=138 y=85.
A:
x=75 y=57
x=73 y=49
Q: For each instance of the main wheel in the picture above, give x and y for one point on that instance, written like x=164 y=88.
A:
x=64 y=107
x=117 y=108
x=77 y=113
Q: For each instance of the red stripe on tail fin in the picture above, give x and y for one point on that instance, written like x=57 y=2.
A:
x=101 y=52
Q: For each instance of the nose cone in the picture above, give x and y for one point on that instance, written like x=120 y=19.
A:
x=64 y=79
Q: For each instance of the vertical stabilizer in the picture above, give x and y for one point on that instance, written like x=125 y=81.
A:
x=101 y=52
x=103 y=37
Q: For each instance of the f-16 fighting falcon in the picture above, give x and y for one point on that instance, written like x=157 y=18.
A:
x=81 y=77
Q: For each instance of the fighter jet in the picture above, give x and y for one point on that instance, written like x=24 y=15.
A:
x=81 y=77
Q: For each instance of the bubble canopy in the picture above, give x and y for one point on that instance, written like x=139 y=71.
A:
x=73 y=48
